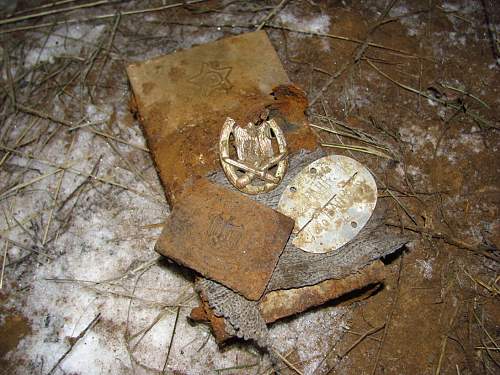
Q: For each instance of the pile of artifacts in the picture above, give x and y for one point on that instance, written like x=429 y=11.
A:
x=271 y=226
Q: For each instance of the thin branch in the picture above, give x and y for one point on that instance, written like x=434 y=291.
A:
x=71 y=125
x=53 y=11
x=478 y=248
x=471 y=114
x=287 y=362
x=389 y=317
x=171 y=340
x=74 y=341
x=272 y=14
x=103 y=16
x=3 y=262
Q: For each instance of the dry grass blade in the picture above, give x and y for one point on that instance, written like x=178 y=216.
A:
x=364 y=149
x=135 y=298
x=133 y=168
x=492 y=288
x=108 y=46
x=389 y=316
x=470 y=114
x=103 y=16
x=3 y=263
x=84 y=174
x=25 y=220
x=171 y=340
x=486 y=251
x=445 y=341
x=19 y=140
x=11 y=90
x=54 y=11
x=356 y=55
x=403 y=207
x=352 y=135
x=44 y=6
x=32 y=249
x=484 y=104
x=56 y=196
x=18 y=187
x=69 y=124
x=272 y=14
x=348 y=350
x=363 y=336
x=287 y=362
x=88 y=123
x=492 y=340
x=240 y=367
x=345 y=38
x=74 y=342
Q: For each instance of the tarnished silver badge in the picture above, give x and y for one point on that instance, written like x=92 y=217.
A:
x=248 y=157
x=330 y=200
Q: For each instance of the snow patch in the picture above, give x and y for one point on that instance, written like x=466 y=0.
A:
x=57 y=45
x=317 y=24
x=425 y=267
x=419 y=137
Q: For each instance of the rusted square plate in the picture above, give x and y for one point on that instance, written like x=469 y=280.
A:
x=184 y=98
x=226 y=237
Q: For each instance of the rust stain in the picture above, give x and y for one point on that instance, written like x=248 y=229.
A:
x=12 y=331
x=226 y=237
x=196 y=89
x=205 y=314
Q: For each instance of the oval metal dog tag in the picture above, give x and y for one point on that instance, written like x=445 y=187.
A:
x=330 y=200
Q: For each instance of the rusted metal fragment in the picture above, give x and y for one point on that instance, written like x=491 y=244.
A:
x=226 y=237
x=282 y=303
x=198 y=314
x=184 y=98
x=205 y=314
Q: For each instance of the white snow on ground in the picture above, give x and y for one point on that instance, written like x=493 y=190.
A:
x=419 y=137
x=425 y=267
x=306 y=334
x=354 y=97
x=317 y=24
x=413 y=24
x=63 y=41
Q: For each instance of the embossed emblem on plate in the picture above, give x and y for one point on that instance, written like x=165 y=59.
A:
x=226 y=237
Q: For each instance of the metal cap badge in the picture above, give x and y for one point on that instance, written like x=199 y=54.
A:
x=248 y=156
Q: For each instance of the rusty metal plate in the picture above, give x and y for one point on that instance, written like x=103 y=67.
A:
x=287 y=302
x=182 y=100
x=330 y=200
x=226 y=237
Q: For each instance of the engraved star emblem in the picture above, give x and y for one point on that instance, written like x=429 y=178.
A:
x=212 y=77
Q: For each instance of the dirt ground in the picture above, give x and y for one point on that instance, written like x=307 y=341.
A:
x=81 y=206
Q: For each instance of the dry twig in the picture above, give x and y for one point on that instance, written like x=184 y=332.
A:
x=389 y=317
x=103 y=16
x=74 y=341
